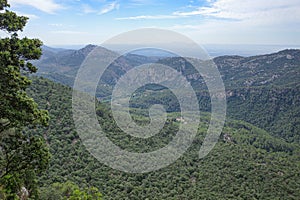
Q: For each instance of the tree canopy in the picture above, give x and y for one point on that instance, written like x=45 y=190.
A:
x=16 y=108
x=21 y=156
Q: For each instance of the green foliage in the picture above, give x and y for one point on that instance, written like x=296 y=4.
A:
x=21 y=156
x=9 y=21
x=69 y=191
x=247 y=162
x=19 y=153
x=16 y=108
x=274 y=109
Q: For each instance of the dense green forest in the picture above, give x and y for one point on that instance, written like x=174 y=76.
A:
x=247 y=163
x=258 y=161
x=42 y=156
x=273 y=108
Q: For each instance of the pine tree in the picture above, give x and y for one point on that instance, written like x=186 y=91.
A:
x=21 y=156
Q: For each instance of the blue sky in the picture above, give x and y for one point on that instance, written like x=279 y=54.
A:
x=77 y=22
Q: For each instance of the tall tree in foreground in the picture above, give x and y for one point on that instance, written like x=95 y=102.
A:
x=21 y=156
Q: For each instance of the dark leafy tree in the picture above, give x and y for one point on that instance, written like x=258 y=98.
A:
x=69 y=191
x=16 y=108
x=21 y=156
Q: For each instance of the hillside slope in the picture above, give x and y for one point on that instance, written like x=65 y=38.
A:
x=247 y=162
x=262 y=90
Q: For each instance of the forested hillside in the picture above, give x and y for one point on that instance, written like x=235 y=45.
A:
x=247 y=162
x=137 y=141
x=262 y=90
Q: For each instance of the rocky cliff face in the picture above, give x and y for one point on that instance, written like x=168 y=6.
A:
x=278 y=69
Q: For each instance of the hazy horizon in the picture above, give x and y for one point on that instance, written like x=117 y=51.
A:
x=213 y=50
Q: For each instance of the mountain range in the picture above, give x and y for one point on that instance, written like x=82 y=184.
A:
x=281 y=68
x=262 y=90
x=256 y=157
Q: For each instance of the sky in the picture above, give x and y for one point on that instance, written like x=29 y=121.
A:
x=79 y=22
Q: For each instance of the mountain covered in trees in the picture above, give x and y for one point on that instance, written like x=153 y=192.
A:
x=280 y=69
x=262 y=90
x=43 y=157
x=257 y=156
x=247 y=163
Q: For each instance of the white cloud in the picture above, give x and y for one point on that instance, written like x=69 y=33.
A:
x=140 y=17
x=30 y=16
x=68 y=32
x=244 y=22
x=88 y=9
x=141 y=2
x=265 y=11
x=215 y=31
x=56 y=25
x=109 y=7
x=48 y=6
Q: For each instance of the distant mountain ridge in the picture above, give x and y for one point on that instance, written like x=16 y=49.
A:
x=61 y=65
x=237 y=71
x=61 y=60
